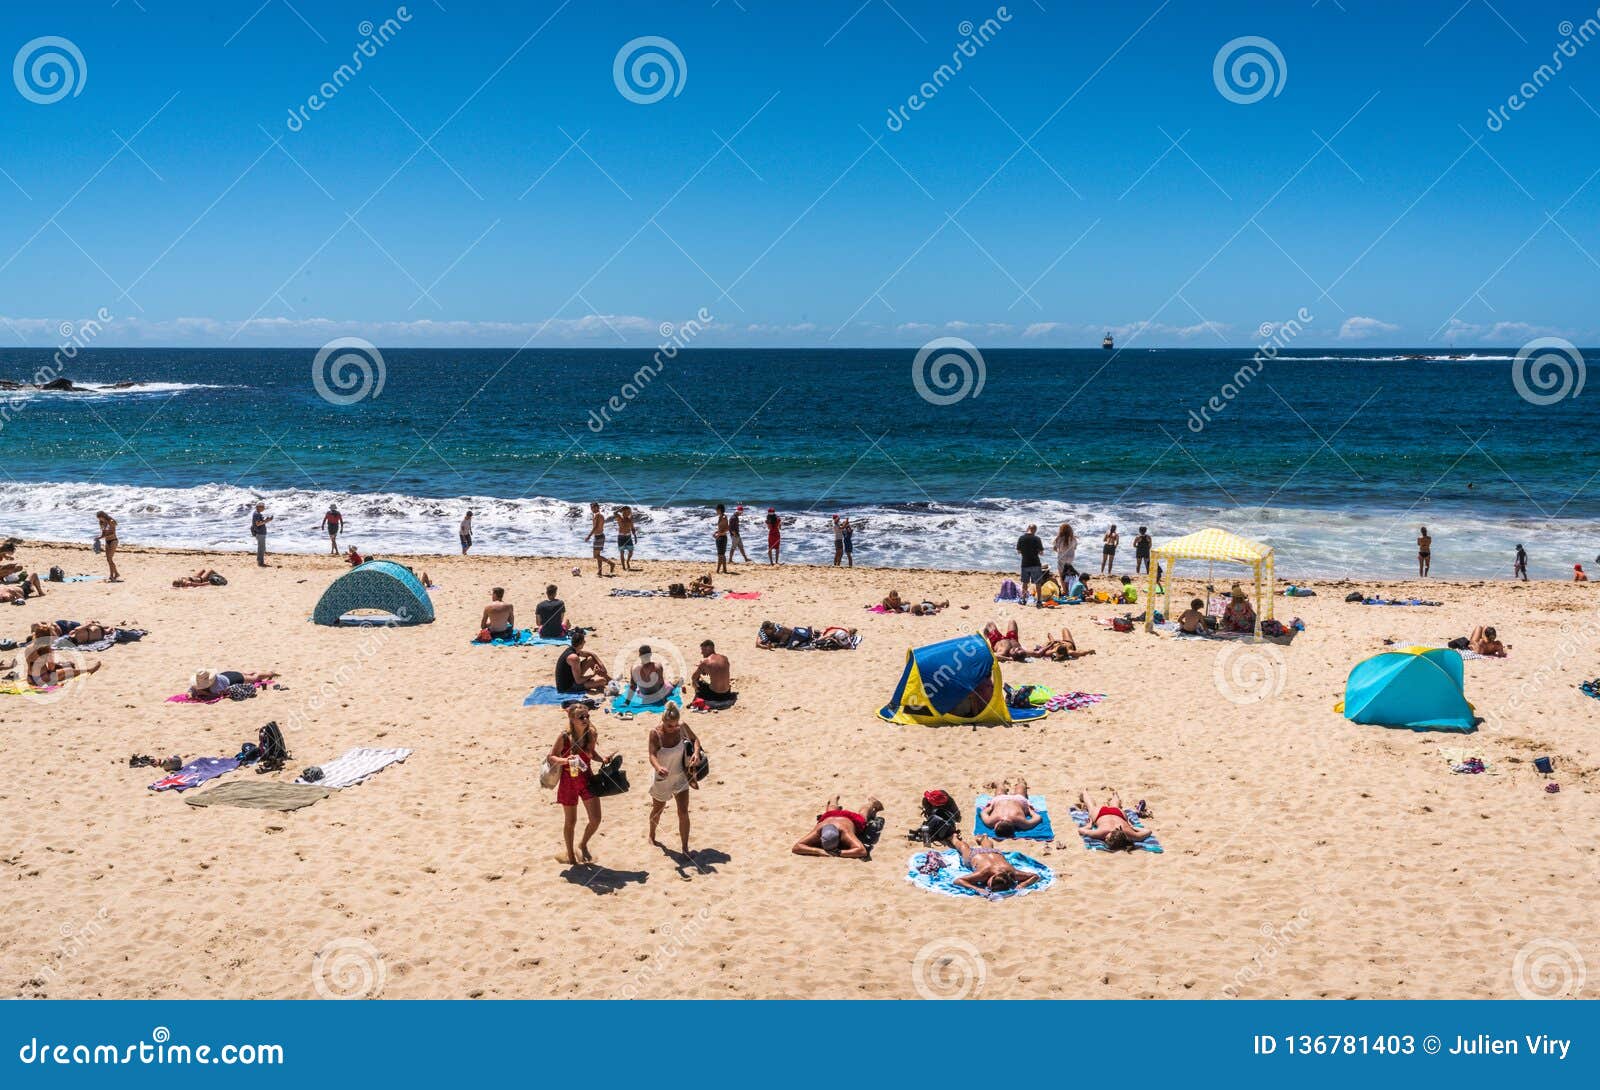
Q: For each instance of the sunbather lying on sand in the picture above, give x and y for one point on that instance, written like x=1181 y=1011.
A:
x=1110 y=824
x=20 y=586
x=210 y=684
x=894 y=604
x=1005 y=645
x=1009 y=811
x=1485 y=642
x=204 y=577
x=991 y=872
x=87 y=632
x=1063 y=650
x=838 y=832
x=773 y=636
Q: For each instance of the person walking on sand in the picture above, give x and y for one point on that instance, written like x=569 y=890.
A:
x=849 y=544
x=576 y=753
x=1141 y=551
x=331 y=522
x=258 y=530
x=838 y=542
x=722 y=539
x=1108 y=550
x=625 y=532
x=1519 y=569
x=774 y=535
x=597 y=533
x=675 y=758
x=1424 y=552
x=108 y=541
x=466 y=533
x=735 y=541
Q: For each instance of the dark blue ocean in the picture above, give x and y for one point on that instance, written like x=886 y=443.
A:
x=1334 y=457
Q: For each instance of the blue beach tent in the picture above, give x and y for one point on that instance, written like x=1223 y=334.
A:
x=1418 y=688
x=376 y=585
x=952 y=683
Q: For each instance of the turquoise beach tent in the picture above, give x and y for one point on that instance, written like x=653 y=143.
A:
x=1418 y=688
x=379 y=585
x=952 y=683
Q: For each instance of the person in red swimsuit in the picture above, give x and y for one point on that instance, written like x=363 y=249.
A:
x=1110 y=824
x=838 y=832
x=576 y=751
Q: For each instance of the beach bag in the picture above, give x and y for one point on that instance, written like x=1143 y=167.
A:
x=1460 y=643
x=56 y=575
x=677 y=590
x=274 y=750
x=1121 y=624
x=1354 y=596
x=608 y=779
x=241 y=691
x=549 y=774
x=1009 y=592
x=941 y=818
x=696 y=761
x=216 y=580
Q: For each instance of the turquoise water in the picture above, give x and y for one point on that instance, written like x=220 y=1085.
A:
x=1334 y=457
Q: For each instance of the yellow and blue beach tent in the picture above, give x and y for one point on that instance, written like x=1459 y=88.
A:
x=1418 y=688
x=952 y=683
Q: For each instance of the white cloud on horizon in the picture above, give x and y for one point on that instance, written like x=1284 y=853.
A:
x=1358 y=328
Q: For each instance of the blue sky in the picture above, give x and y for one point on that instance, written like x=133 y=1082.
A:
x=483 y=181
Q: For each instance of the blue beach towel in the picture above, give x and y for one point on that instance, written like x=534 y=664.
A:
x=945 y=880
x=524 y=637
x=77 y=579
x=1397 y=602
x=1081 y=818
x=627 y=703
x=1041 y=831
x=548 y=694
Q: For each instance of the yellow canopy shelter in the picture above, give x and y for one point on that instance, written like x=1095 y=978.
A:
x=1215 y=546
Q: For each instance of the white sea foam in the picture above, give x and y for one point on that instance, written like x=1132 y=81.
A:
x=979 y=535
x=107 y=389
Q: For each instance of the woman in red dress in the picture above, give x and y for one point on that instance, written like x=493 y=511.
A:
x=576 y=750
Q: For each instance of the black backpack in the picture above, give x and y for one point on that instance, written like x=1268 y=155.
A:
x=274 y=751
x=939 y=822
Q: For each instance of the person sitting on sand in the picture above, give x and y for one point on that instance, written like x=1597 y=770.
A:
x=1240 y=615
x=1063 y=650
x=713 y=678
x=1577 y=574
x=1077 y=587
x=701 y=587
x=43 y=669
x=1130 y=593
x=1009 y=811
x=990 y=871
x=1485 y=642
x=1110 y=824
x=203 y=577
x=551 y=615
x=647 y=681
x=1192 y=621
x=1049 y=590
x=354 y=558
x=839 y=832
x=1005 y=645
x=210 y=684
x=499 y=617
x=580 y=671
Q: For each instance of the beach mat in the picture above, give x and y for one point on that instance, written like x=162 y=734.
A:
x=944 y=881
x=185 y=698
x=1071 y=702
x=624 y=703
x=195 y=773
x=743 y=595
x=635 y=592
x=547 y=694
x=371 y=620
x=1081 y=818
x=524 y=637
x=1397 y=602
x=22 y=688
x=1041 y=831
x=260 y=795
x=356 y=764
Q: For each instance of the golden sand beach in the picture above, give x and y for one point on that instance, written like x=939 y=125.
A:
x=1305 y=855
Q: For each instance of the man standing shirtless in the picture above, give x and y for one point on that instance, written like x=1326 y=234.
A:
x=597 y=533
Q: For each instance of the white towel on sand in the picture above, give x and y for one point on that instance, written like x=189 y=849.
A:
x=356 y=765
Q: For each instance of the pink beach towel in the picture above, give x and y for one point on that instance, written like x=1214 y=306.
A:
x=744 y=595
x=185 y=698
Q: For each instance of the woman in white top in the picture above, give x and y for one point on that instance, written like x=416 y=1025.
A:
x=674 y=755
x=1066 y=547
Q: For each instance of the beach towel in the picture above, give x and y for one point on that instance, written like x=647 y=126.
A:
x=260 y=795
x=623 y=703
x=76 y=579
x=1080 y=818
x=1071 y=702
x=371 y=620
x=185 y=698
x=1590 y=688
x=844 y=643
x=1041 y=831
x=628 y=592
x=22 y=688
x=743 y=595
x=944 y=880
x=1397 y=602
x=1468 y=761
x=547 y=694
x=524 y=637
x=196 y=772
x=113 y=637
x=357 y=764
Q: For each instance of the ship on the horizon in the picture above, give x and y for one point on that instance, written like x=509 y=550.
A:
x=1108 y=343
